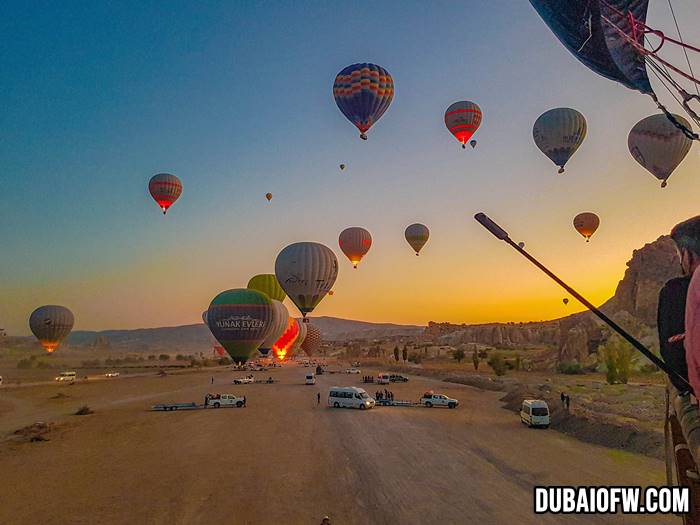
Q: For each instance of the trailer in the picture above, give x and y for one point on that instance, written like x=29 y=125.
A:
x=165 y=407
x=398 y=403
x=210 y=401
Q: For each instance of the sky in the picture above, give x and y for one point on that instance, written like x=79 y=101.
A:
x=235 y=99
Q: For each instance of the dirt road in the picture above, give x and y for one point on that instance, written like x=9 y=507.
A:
x=285 y=460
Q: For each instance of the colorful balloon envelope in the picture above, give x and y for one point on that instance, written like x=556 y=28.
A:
x=417 y=235
x=586 y=224
x=355 y=242
x=658 y=145
x=165 y=190
x=51 y=324
x=462 y=120
x=558 y=133
x=240 y=319
x=313 y=339
x=306 y=271
x=268 y=284
x=363 y=92
x=280 y=315
x=268 y=196
x=284 y=344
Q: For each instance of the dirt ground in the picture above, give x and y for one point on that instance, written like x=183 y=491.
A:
x=285 y=460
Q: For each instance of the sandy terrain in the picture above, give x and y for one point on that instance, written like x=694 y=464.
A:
x=285 y=460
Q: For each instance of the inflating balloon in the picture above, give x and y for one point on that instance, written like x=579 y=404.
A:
x=313 y=339
x=355 y=242
x=363 y=93
x=165 y=190
x=280 y=316
x=268 y=196
x=284 y=344
x=558 y=133
x=586 y=224
x=51 y=324
x=306 y=271
x=462 y=120
x=268 y=284
x=658 y=145
x=240 y=319
x=417 y=235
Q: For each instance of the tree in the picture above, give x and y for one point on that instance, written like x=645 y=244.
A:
x=617 y=356
x=404 y=354
x=458 y=355
x=396 y=353
x=163 y=357
x=497 y=364
x=475 y=360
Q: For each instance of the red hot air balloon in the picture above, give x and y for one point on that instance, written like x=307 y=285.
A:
x=287 y=340
x=165 y=190
x=355 y=243
x=462 y=120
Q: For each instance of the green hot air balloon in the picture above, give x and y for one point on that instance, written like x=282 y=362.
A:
x=268 y=284
x=240 y=319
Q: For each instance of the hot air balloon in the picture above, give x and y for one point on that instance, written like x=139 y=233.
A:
x=558 y=133
x=586 y=224
x=280 y=316
x=306 y=271
x=565 y=301
x=268 y=196
x=355 y=242
x=330 y=292
x=284 y=344
x=302 y=323
x=204 y=316
x=342 y=167
x=313 y=339
x=521 y=244
x=463 y=119
x=165 y=190
x=268 y=284
x=240 y=319
x=658 y=145
x=363 y=93
x=417 y=235
x=472 y=143
x=51 y=324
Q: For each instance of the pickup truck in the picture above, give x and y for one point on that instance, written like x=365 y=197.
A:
x=220 y=400
x=430 y=399
x=244 y=380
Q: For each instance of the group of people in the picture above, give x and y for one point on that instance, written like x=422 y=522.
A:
x=386 y=394
x=678 y=318
x=565 y=400
x=368 y=379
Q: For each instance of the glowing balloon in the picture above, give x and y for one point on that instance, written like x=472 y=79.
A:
x=306 y=271
x=268 y=196
x=363 y=93
x=165 y=190
x=268 y=284
x=462 y=120
x=280 y=316
x=240 y=319
x=558 y=133
x=586 y=224
x=417 y=235
x=312 y=341
x=284 y=344
x=355 y=242
x=658 y=145
x=51 y=324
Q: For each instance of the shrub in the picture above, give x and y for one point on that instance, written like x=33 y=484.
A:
x=163 y=357
x=458 y=355
x=497 y=364
x=570 y=368
x=415 y=357
x=151 y=357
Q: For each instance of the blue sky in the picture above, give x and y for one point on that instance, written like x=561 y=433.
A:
x=235 y=99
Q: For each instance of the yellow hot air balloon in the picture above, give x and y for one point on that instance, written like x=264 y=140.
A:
x=586 y=224
x=268 y=284
x=268 y=196
x=355 y=242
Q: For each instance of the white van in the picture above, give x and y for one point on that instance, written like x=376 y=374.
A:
x=349 y=397
x=383 y=379
x=310 y=379
x=66 y=377
x=535 y=413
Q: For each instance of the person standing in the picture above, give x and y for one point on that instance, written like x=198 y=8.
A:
x=318 y=398
x=212 y=380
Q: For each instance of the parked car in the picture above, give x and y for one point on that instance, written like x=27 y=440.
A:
x=349 y=397
x=397 y=378
x=352 y=371
x=66 y=377
x=310 y=379
x=219 y=400
x=535 y=413
x=112 y=374
x=430 y=399
x=244 y=380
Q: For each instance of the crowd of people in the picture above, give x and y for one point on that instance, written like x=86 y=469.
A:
x=384 y=395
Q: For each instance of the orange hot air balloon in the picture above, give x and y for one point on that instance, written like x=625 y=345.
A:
x=355 y=242
x=268 y=196
x=330 y=292
x=165 y=190
x=586 y=224
x=286 y=340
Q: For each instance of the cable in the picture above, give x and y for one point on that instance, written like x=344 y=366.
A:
x=680 y=37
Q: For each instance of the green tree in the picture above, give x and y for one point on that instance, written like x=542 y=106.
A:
x=475 y=360
x=617 y=356
x=396 y=354
x=164 y=357
x=458 y=355
x=497 y=364
x=404 y=353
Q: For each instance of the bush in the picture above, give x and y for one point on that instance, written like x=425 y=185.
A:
x=163 y=357
x=497 y=364
x=617 y=356
x=415 y=357
x=151 y=357
x=179 y=357
x=458 y=355
x=84 y=411
x=570 y=368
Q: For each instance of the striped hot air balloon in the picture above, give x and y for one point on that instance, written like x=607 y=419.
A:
x=417 y=235
x=658 y=145
x=313 y=339
x=280 y=315
x=463 y=119
x=165 y=190
x=268 y=284
x=355 y=242
x=363 y=93
x=284 y=344
x=306 y=271
x=240 y=319
x=558 y=133
x=301 y=337
x=51 y=324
